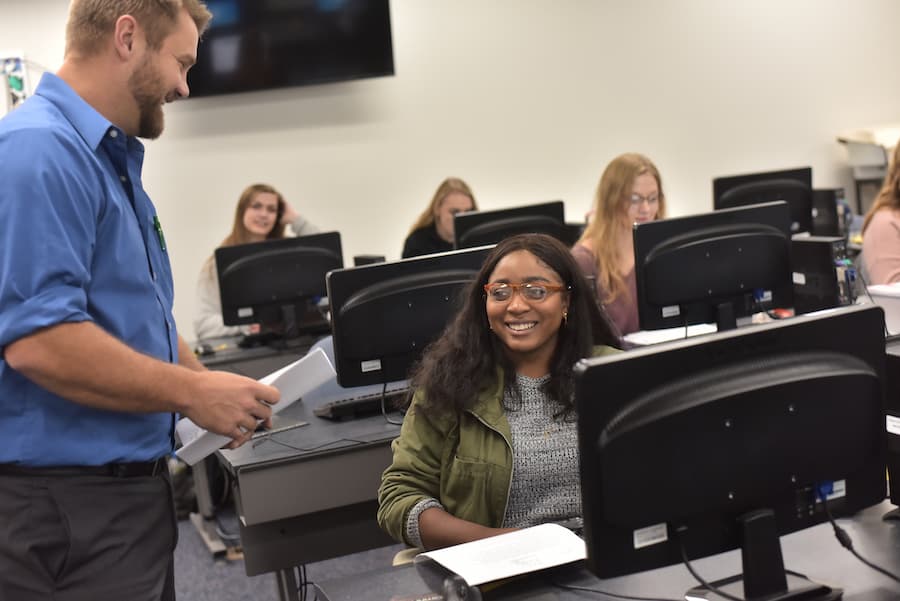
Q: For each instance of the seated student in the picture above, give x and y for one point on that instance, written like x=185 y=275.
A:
x=881 y=229
x=261 y=214
x=629 y=192
x=489 y=443
x=433 y=230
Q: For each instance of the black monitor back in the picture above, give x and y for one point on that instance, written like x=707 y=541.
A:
x=689 y=270
x=825 y=212
x=794 y=186
x=696 y=432
x=479 y=228
x=384 y=315
x=256 y=281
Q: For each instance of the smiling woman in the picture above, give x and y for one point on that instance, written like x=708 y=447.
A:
x=261 y=214
x=489 y=444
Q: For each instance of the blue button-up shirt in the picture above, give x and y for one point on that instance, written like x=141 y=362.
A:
x=79 y=241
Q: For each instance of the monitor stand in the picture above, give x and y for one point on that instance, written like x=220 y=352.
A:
x=764 y=577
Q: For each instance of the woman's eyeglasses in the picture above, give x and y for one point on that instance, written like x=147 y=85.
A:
x=636 y=199
x=532 y=291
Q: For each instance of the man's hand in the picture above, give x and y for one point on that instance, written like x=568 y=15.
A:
x=230 y=405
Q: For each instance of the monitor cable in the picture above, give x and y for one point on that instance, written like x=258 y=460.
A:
x=847 y=542
x=587 y=589
x=708 y=586
x=384 y=408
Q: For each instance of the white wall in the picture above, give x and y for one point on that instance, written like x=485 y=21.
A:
x=525 y=99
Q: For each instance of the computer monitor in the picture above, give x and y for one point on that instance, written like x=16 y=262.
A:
x=273 y=282
x=384 y=315
x=478 y=228
x=713 y=267
x=721 y=442
x=794 y=186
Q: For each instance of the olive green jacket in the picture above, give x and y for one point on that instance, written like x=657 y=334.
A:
x=464 y=460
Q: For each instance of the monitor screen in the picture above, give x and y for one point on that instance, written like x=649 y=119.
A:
x=267 y=282
x=794 y=186
x=384 y=315
x=713 y=267
x=689 y=442
x=477 y=228
x=260 y=44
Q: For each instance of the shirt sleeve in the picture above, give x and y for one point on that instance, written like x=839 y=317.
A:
x=414 y=474
x=208 y=321
x=881 y=248
x=49 y=208
x=302 y=227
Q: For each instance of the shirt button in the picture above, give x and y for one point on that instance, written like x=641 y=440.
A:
x=113 y=133
x=123 y=178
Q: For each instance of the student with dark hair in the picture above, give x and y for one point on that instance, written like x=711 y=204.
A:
x=489 y=441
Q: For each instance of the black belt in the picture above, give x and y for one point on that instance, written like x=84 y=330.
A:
x=114 y=470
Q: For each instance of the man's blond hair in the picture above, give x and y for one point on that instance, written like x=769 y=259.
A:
x=91 y=21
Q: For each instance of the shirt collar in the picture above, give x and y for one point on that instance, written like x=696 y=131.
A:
x=90 y=124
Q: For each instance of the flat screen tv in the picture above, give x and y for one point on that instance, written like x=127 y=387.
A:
x=261 y=44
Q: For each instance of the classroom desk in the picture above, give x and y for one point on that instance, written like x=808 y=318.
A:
x=814 y=552
x=309 y=493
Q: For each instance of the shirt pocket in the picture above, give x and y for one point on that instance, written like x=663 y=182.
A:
x=471 y=488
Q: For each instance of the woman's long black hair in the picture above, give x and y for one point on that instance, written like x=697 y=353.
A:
x=463 y=360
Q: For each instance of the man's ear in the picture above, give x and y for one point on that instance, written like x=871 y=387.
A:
x=125 y=36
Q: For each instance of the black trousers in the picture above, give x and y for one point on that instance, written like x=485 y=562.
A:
x=87 y=537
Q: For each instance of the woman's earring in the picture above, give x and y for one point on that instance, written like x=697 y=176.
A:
x=565 y=318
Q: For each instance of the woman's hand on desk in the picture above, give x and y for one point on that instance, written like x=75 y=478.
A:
x=229 y=404
x=439 y=529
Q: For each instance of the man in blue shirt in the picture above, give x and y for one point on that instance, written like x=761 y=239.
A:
x=92 y=371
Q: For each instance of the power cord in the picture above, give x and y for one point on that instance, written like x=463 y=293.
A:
x=384 y=411
x=304 y=584
x=708 y=586
x=845 y=539
x=587 y=589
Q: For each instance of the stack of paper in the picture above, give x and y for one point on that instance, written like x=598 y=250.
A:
x=511 y=554
x=293 y=381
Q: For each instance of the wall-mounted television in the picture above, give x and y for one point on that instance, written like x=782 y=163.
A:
x=262 y=44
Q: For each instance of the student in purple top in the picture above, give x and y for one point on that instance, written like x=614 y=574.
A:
x=630 y=191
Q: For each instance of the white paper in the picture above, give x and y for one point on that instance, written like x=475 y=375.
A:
x=293 y=381
x=510 y=554
x=645 y=337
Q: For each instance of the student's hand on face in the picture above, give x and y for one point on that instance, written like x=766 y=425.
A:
x=289 y=215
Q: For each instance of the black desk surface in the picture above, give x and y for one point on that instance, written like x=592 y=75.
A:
x=814 y=552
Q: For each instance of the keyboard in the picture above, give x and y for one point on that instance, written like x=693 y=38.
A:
x=360 y=406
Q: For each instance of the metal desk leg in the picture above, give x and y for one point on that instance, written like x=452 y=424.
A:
x=204 y=520
x=288 y=586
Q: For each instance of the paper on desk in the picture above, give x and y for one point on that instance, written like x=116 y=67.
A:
x=293 y=381
x=518 y=552
x=645 y=337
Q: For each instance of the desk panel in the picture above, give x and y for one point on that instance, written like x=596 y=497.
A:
x=289 y=489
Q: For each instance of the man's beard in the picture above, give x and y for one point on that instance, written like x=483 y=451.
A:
x=145 y=86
